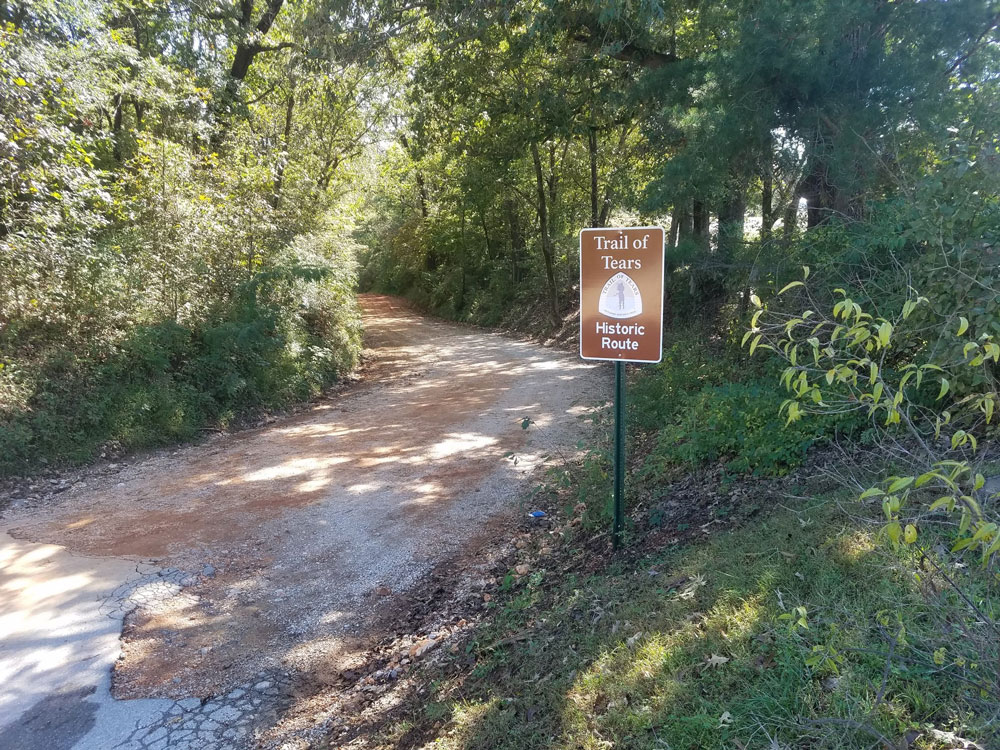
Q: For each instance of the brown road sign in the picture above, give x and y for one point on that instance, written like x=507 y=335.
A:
x=621 y=294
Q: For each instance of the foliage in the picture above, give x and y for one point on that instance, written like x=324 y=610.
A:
x=737 y=424
x=703 y=405
x=166 y=380
x=760 y=129
x=897 y=369
x=172 y=231
x=923 y=371
x=689 y=366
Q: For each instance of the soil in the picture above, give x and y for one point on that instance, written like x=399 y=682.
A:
x=294 y=540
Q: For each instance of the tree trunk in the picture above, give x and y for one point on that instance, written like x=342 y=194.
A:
x=732 y=222
x=676 y=218
x=286 y=138
x=516 y=240
x=419 y=177
x=675 y=226
x=685 y=229
x=116 y=129
x=595 y=216
x=606 y=205
x=242 y=59
x=422 y=194
x=553 y=182
x=767 y=202
x=486 y=231
x=790 y=220
x=701 y=226
x=702 y=222
x=546 y=242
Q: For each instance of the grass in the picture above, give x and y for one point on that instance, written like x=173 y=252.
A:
x=691 y=648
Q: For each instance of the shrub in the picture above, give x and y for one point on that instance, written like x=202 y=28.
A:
x=661 y=391
x=738 y=424
x=165 y=381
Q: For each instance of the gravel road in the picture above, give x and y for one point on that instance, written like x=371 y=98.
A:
x=235 y=565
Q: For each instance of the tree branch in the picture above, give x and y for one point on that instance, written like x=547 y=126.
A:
x=634 y=53
x=258 y=48
x=975 y=45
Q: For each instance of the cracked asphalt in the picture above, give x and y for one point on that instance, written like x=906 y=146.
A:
x=174 y=602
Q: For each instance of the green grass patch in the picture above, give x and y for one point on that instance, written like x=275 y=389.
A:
x=699 y=648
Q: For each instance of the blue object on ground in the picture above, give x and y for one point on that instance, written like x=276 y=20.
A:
x=537 y=514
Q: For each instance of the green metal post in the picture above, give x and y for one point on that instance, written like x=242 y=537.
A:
x=619 y=521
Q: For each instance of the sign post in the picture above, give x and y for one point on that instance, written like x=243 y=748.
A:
x=621 y=318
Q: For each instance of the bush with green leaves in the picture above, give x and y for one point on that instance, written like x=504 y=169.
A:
x=661 y=391
x=167 y=380
x=845 y=362
x=738 y=425
x=704 y=406
x=930 y=462
x=163 y=268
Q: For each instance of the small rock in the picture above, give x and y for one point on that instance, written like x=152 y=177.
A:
x=522 y=570
x=226 y=715
x=208 y=571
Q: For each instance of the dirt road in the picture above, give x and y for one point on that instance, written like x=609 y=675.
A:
x=238 y=564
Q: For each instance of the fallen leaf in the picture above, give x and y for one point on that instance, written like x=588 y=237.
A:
x=420 y=648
